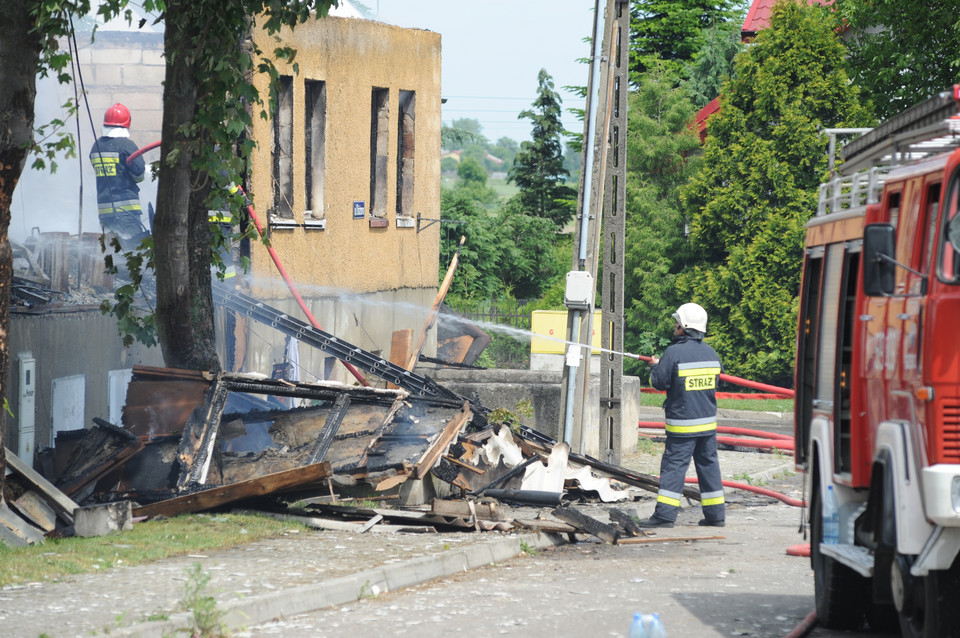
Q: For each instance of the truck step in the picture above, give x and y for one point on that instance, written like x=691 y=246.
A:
x=855 y=557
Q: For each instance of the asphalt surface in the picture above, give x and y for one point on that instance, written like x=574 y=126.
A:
x=331 y=583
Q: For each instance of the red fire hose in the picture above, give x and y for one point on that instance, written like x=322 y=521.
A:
x=723 y=429
x=805 y=626
x=756 y=490
x=293 y=289
x=767 y=440
x=784 y=392
x=781 y=445
x=140 y=151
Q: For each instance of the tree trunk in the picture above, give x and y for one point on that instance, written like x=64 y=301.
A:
x=19 y=56
x=181 y=238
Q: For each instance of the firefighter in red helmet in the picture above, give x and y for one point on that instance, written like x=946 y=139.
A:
x=118 y=190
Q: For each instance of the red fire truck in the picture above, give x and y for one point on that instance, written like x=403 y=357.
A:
x=878 y=377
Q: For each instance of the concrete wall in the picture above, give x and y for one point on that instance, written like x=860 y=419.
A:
x=506 y=388
x=66 y=342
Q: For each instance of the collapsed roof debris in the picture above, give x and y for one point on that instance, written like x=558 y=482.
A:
x=192 y=441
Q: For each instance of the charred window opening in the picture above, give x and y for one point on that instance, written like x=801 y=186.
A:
x=379 y=147
x=283 y=150
x=405 y=153
x=315 y=122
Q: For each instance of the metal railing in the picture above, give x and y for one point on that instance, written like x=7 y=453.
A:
x=506 y=350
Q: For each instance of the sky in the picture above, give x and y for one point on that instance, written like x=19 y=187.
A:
x=493 y=50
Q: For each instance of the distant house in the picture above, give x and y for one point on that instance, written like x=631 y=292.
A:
x=758 y=18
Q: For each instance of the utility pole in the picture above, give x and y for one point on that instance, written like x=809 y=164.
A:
x=601 y=196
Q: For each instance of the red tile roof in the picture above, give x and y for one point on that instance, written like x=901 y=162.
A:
x=758 y=17
x=700 y=120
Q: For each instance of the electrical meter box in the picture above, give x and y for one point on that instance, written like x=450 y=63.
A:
x=579 y=292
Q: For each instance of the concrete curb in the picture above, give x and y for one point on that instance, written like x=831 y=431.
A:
x=262 y=608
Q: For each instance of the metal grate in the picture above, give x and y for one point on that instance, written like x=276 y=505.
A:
x=950 y=449
x=508 y=350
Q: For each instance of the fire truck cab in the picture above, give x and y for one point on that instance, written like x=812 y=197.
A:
x=878 y=376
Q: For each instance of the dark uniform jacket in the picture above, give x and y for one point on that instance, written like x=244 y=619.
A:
x=117 y=189
x=688 y=371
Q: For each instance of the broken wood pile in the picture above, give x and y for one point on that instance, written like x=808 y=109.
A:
x=191 y=442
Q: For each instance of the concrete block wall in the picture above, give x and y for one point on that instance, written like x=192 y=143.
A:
x=506 y=388
x=126 y=67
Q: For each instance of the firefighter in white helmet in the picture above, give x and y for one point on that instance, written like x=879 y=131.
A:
x=688 y=371
x=118 y=190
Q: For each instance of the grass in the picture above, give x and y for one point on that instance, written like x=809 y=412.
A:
x=206 y=617
x=649 y=446
x=147 y=541
x=755 y=405
x=504 y=189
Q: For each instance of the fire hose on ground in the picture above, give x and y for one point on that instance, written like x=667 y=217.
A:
x=764 y=440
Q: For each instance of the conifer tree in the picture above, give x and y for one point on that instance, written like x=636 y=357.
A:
x=660 y=157
x=763 y=161
x=672 y=30
x=900 y=51
x=538 y=166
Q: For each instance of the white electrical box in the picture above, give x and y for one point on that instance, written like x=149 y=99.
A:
x=26 y=434
x=579 y=291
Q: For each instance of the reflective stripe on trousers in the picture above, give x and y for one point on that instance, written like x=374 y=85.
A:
x=673 y=469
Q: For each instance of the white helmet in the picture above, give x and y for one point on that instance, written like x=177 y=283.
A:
x=691 y=316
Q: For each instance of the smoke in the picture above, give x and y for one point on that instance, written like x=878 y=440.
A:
x=46 y=201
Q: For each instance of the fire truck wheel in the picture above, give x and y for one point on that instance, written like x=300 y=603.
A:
x=928 y=607
x=838 y=590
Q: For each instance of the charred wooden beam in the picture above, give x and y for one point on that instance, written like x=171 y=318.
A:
x=625 y=521
x=667 y=539
x=449 y=434
x=587 y=524
x=527 y=497
x=330 y=428
x=61 y=503
x=103 y=448
x=217 y=496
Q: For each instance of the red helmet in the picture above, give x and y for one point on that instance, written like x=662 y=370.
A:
x=117 y=115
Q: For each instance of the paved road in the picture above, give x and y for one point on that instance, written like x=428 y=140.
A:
x=742 y=585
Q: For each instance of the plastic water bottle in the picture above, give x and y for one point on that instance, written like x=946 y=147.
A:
x=646 y=626
x=831 y=518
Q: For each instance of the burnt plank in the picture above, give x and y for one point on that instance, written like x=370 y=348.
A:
x=160 y=400
x=625 y=520
x=214 y=497
x=461 y=509
x=544 y=525
x=60 y=502
x=587 y=524
x=667 y=539
x=199 y=437
x=102 y=449
x=15 y=531
x=449 y=434
x=330 y=428
x=36 y=510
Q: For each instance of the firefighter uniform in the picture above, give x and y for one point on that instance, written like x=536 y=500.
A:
x=118 y=190
x=688 y=371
